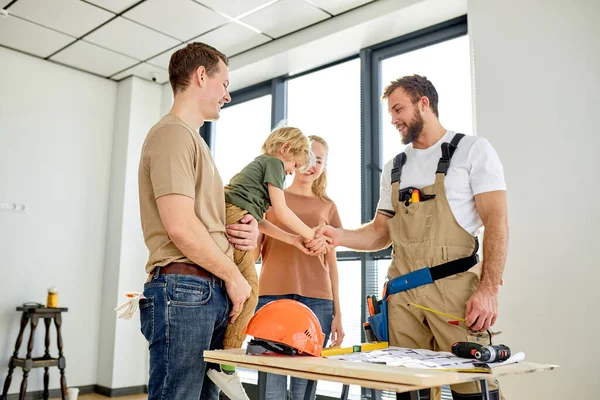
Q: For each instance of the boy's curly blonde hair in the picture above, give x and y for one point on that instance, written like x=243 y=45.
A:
x=297 y=147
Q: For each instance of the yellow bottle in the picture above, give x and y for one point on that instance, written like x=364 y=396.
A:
x=52 y=301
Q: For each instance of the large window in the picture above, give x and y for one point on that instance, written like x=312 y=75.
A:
x=446 y=65
x=240 y=132
x=327 y=103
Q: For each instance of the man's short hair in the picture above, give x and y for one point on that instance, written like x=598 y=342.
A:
x=185 y=61
x=416 y=86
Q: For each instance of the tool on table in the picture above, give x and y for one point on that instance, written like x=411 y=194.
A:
x=481 y=353
x=336 y=351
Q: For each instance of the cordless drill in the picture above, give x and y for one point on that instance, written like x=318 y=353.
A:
x=481 y=353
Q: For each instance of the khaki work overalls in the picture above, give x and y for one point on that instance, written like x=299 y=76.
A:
x=426 y=234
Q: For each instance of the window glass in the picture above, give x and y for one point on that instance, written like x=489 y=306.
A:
x=446 y=65
x=241 y=131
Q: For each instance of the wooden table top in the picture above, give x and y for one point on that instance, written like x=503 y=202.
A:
x=367 y=375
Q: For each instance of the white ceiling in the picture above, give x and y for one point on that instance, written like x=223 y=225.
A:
x=119 y=38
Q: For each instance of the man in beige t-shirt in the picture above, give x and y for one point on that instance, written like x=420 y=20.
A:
x=193 y=287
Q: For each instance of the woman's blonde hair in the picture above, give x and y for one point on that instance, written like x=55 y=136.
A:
x=319 y=186
x=298 y=146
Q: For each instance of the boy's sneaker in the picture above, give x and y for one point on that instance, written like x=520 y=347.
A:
x=230 y=384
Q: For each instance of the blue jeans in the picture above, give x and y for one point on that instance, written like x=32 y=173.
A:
x=276 y=385
x=181 y=316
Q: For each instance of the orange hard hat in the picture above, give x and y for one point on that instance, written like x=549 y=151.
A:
x=289 y=323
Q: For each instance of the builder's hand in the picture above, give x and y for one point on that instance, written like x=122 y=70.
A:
x=337 y=331
x=243 y=235
x=238 y=291
x=323 y=231
x=482 y=309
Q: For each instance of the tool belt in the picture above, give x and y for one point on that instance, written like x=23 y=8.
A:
x=378 y=319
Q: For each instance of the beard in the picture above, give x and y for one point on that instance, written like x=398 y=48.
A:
x=414 y=128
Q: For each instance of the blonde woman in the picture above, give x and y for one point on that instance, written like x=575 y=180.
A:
x=288 y=272
x=252 y=191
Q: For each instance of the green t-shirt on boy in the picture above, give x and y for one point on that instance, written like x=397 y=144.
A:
x=249 y=189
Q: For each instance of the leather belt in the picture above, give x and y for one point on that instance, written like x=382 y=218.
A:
x=189 y=269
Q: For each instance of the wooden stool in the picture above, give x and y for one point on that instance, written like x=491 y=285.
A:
x=27 y=363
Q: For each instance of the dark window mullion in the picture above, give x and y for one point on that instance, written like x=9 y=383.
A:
x=279 y=100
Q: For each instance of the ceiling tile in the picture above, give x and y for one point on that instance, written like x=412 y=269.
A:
x=232 y=39
x=31 y=38
x=284 y=17
x=183 y=19
x=163 y=59
x=234 y=8
x=145 y=71
x=114 y=5
x=89 y=57
x=338 y=6
x=131 y=39
x=69 y=16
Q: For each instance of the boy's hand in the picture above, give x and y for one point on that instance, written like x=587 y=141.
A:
x=325 y=232
x=315 y=251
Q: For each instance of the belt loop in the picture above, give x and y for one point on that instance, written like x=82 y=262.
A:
x=157 y=273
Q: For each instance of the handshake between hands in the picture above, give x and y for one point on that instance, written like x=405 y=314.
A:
x=322 y=242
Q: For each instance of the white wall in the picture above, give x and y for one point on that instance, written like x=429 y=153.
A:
x=537 y=93
x=138 y=108
x=166 y=99
x=56 y=130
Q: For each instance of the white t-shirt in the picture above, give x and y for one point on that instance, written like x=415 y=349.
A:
x=475 y=168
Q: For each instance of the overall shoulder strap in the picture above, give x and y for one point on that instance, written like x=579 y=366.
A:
x=399 y=162
x=448 y=150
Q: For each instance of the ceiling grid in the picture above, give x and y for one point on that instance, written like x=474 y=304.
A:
x=119 y=38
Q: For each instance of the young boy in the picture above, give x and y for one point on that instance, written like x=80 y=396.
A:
x=256 y=188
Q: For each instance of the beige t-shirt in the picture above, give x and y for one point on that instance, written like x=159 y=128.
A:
x=285 y=269
x=175 y=160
